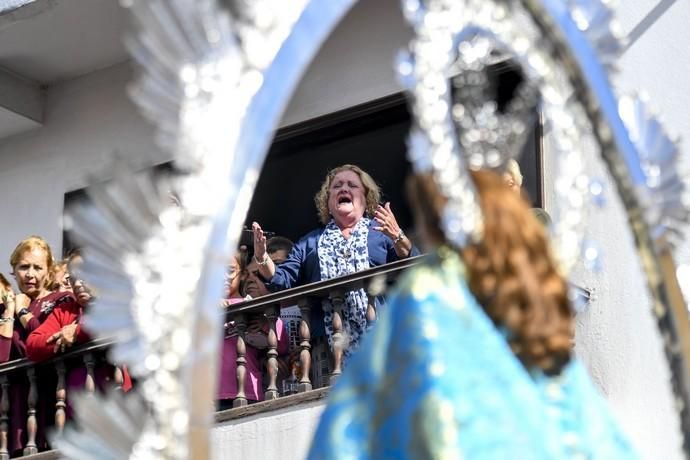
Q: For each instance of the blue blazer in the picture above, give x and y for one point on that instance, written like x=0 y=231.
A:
x=302 y=265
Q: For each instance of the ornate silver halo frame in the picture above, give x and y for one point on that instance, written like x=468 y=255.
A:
x=568 y=49
x=216 y=81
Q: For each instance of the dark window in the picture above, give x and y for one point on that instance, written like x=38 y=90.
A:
x=372 y=136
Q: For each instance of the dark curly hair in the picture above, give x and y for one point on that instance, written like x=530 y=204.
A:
x=511 y=271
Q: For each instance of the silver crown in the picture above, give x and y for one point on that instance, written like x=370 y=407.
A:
x=489 y=130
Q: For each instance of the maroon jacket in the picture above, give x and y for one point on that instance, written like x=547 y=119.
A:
x=63 y=314
x=40 y=308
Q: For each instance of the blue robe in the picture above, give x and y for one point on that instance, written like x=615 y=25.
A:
x=437 y=380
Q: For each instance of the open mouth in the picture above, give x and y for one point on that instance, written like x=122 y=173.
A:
x=344 y=199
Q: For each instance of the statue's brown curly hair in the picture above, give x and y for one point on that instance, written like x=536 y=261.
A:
x=511 y=271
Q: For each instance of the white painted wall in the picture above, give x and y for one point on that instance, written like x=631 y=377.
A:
x=88 y=118
x=616 y=337
x=355 y=64
x=281 y=435
x=658 y=65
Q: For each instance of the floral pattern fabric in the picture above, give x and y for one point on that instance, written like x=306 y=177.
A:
x=338 y=257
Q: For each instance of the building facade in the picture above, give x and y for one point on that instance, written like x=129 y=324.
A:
x=64 y=111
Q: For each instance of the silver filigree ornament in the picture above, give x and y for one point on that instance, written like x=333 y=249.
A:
x=568 y=49
x=667 y=209
x=432 y=146
x=215 y=87
x=110 y=437
x=158 y=267
x=595 y=19
x=469 y=41
x=489 y=135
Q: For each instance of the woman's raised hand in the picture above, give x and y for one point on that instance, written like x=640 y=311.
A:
x=387 y=222
x=7 y=298
x=259 y=242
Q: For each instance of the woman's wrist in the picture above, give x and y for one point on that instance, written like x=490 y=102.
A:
x=9 y=308
x=400 y=237
x=402 y=245
x=24 y=318
x=267 y=269
x=263 y=261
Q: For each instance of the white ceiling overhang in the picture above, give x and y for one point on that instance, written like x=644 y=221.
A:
x=45 y=42
x=21 y=104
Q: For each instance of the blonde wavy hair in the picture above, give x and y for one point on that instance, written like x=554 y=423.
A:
x=372 y=192
x=29 y=244
x=511 y=271
x=57 y=272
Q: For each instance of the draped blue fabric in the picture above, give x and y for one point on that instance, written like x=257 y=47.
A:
x=436 y=379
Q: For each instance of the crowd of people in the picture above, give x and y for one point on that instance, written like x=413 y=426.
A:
x=42 y=318
x=38 y=321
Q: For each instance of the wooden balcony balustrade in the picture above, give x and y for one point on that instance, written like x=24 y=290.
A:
x=26 y=374
x=375 y=281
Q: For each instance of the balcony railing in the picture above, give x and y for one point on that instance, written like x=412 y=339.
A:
x=25 y=374
x=375 y=281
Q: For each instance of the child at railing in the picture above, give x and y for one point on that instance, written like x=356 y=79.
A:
x=227 y=388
